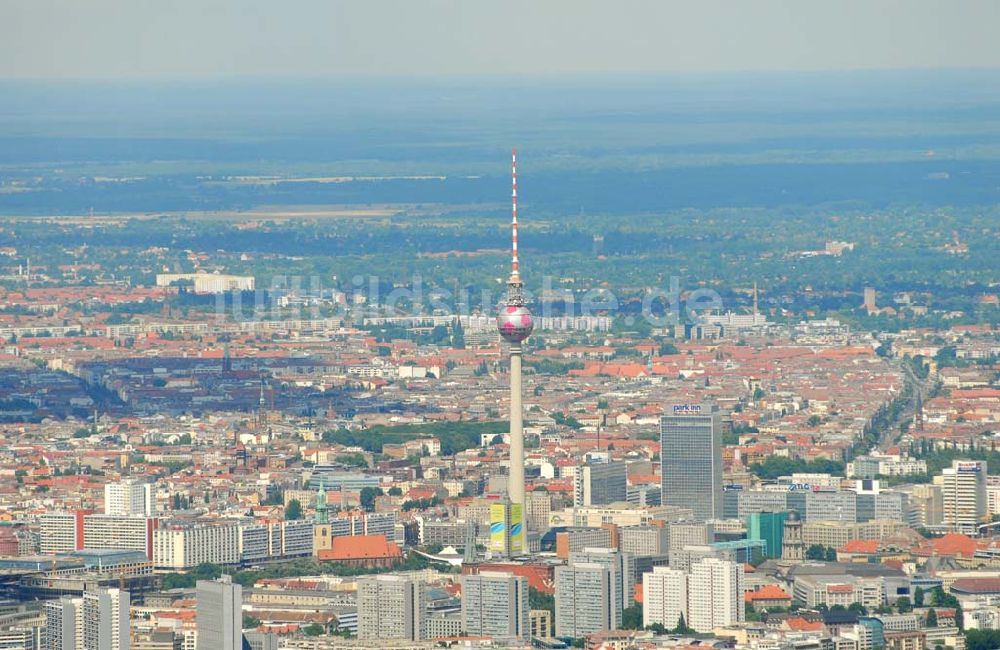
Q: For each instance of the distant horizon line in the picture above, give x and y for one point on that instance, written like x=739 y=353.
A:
x=720 y=74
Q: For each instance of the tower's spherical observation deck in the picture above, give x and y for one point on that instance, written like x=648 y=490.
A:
x=514 y=323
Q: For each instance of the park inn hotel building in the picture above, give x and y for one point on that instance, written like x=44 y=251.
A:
x=691 y=459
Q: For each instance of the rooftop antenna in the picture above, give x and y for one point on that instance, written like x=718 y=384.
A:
x=514 y=283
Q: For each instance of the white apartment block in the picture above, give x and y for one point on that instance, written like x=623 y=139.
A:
x=63 y=624
x=270 y=539
x=185 y=547
x=390 y=607
x=495 y=604
x=715 y=594
x=709 y=596
x=839 y=590
x=64 y=532
x=106 y=620
x=61 y=532
x=119 y=532
x=130 y=497
x=664 y=597
x=584 y=600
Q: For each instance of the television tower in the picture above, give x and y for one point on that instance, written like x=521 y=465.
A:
x=515 y=324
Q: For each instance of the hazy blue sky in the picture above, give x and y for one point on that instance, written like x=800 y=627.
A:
x=211 y=38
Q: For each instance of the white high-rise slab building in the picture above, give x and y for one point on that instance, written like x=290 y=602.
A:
x=63 y=624
x=99 y=620
x=106 y=620
x=620 y=566
x=129 y=497
x=185 y=546
x=219 y=615
x=715 y=594
x=664 y=597
x=495 y=604
x=390 y=607
x=61 y=532
x=585 y=601
x=709 y=596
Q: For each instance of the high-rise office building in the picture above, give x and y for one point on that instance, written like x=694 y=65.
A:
x=600 y=483
x=106 y=620
x=664 y=597
x=129 y=497
x=219 y=615
x=495 y=604
x=770 y=528
x=715 y=594
x=691 y=459
x=537 y=509
x=584 y=600
x=963 y=495
x=622 y=576
x=925 y=506
x=688 y=556
x=390 y=607
x=63 y=624
x=644 y=540
x=681 y=534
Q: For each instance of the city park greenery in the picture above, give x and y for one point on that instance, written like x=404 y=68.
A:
x=454 y=436
x=896 y=249
x=775 y=466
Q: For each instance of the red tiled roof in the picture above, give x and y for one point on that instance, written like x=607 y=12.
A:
x=361 y=547
x=950 y=544
x=977 y=585
x=860 y=546
x=767 y=592
x=802 y=625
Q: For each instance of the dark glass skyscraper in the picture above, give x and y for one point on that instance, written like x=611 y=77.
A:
x=691 y=458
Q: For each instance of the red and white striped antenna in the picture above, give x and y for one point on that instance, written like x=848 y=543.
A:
x=515 y=275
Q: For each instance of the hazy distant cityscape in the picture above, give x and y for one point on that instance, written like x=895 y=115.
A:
x=469 y=325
